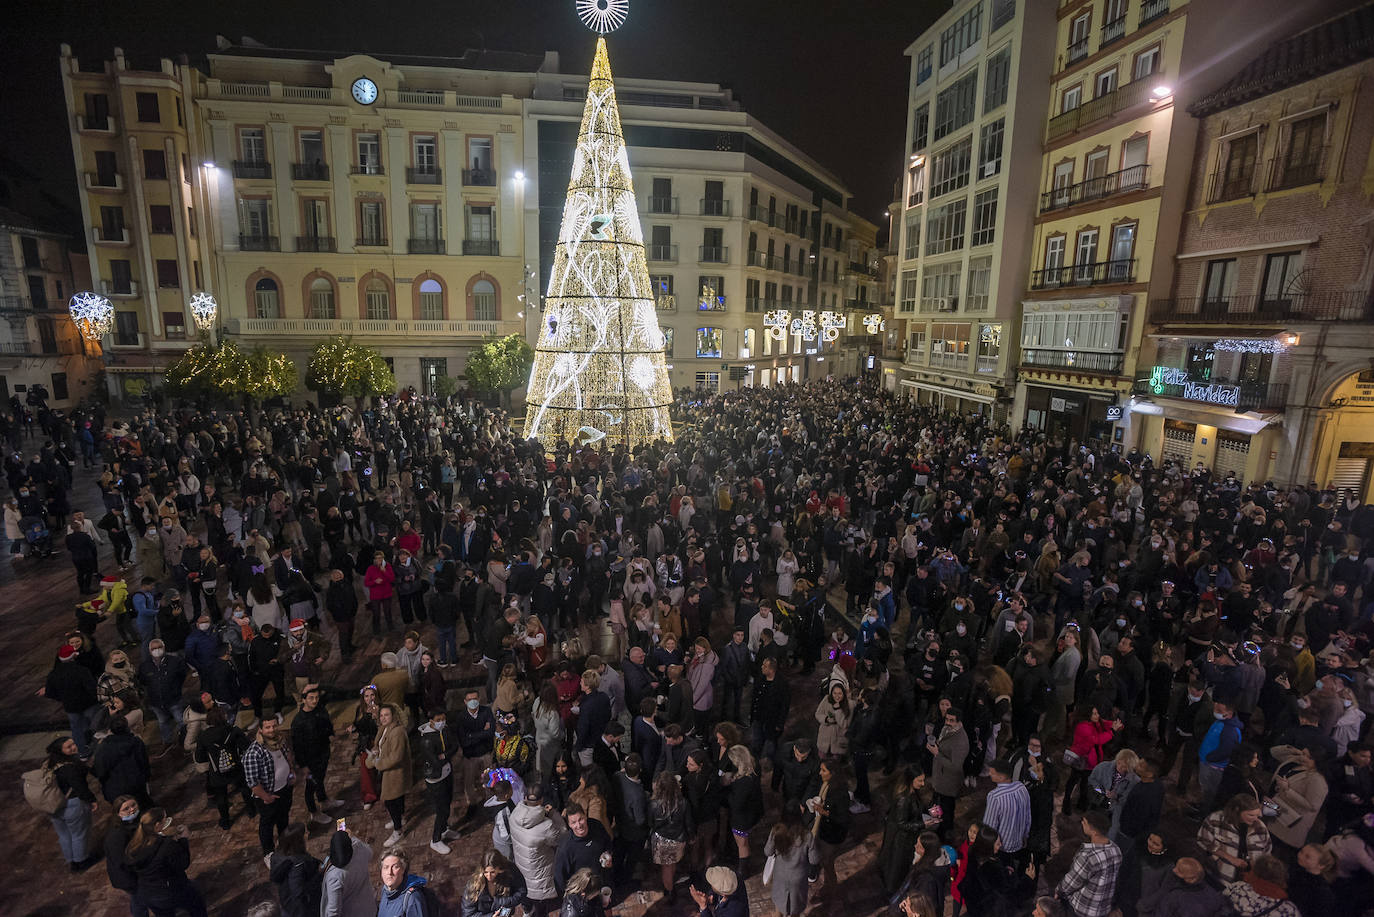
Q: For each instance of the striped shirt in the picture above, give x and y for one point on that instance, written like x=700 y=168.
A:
x=1008 y=812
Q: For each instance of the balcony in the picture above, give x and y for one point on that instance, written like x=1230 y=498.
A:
x=112 y=236
x=1084 y=275
x=323 y=327
x=714 y=207
x=479 y=178
x=309 y=171
x=424 y=175
x=1326 y=306
x=13 y=304
x=915 y=198
x=949 y=359
x=1104 y=106
x=110 y=181
x=1135 y=178
x=122 y=289
x=1113 y=31
x=763 y=215
x=1076 y=360
x=1003 y=11
x=1150 y=10
x=479 y=247
x=713 y=254
x=251 y=168
x=432 y=247
x=665 y=302
x=367 y=168
x=711 y=305
x=755 y=304
x=663 y=252
x=375 y=241
x=1076 y=52
x=662 y=205
x=105 y=125
x=1222 y=187
x=259 y=244
x=315 y=244
x=1243 y=396
x=1286 y=172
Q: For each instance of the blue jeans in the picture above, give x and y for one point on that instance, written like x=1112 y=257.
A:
x=81 y=729
x=147 y=629
x=448 y=645
x=166 y=716
x=73 y=825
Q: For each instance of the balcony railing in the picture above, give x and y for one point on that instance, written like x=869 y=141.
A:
x=110 y=181
x=367 y=168
x=479 y=247
x=424 y=175
x=13 y=304
x=915 y=198
x=1104 y=106
x=112 y=236
x=378 y=241
x=119 y=287
x=1112 y=31
x=714 y=207
x=105 y=125
x=665 y=302
x=1322 y=306
x=713 y=254
x=663 y=252
x=1247 y=396
x=1076 y=51
x=259 y=244
x=663 y=205
x=252 y=168
x=1133 y=179
x=479 y=177
x=1084 y=275
x=314 y=243
x=427 y=247
x=764 y=215
x=1003 y=11
x=1150 y=10
x=1222 y=187
x=1285 y=172
x=323 y=327
x=309 y=171
x=1109 y=363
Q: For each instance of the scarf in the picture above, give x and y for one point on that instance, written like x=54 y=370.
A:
x=276 y=743
x=1265 y=888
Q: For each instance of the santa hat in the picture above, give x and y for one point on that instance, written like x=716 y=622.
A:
x=109 y=580
x=298 y=624
x=66 y=652
x=97 y=603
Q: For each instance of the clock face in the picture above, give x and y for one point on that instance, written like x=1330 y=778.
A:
x=364 y=91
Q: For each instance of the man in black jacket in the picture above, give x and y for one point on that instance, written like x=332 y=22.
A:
x=768 y=709
x=162 y=677
x=798 y=774
x=267 y=667
x=476 y=737
x=444 y=611
x=1351 y=787
x=639 y=680
x=341 y=600
x=435 y=752
x=73 y=686
x=311 y=731
x=586 y=845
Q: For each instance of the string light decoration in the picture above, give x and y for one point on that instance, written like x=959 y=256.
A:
x=805 y=325
x=92 y=314
x=874 y=322
x=599 y=369
x=831 y=323
x=203 y=310
x=603 y=15
x=775 y=322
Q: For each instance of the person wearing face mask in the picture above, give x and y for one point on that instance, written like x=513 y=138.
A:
x=201 y=644
x=150 y=557
x=146 y=607
x=159 y=855
x=163 y=677
x=173 y=538
x=117 y=836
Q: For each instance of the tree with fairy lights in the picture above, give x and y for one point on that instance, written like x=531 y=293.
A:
x=342 y=367
x=600 y=374
x=227 y=371
x=500 y=365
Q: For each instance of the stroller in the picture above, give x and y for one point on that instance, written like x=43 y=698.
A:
x=38 y=537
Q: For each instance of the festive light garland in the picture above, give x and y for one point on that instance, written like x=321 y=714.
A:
x=93 y=315
x=203 y=310
x=599 y=370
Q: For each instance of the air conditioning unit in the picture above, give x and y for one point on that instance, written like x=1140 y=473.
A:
x=990 y=168
x=949 y=305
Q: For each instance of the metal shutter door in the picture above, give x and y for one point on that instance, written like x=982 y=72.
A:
x=1232 y=454
x=1178 y=446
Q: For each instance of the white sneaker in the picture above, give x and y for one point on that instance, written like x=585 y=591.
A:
x=390 y=825
x=334 y=805
x=451 y=835
x=267 y=861
x=320 y=818
x=439 y=847
x=858 y=808
x=393 y=838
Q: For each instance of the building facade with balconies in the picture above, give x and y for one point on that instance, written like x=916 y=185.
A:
x=975 y=118
x=738 y=225
x=1257 y=359
x=1116 y=165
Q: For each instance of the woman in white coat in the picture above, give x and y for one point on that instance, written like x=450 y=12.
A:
x=348 y=888
x=787 y=574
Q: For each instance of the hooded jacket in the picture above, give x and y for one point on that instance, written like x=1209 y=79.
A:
x=347 y=883
x=535 y=836
x=406 y=901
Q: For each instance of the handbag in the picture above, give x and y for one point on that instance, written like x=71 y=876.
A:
x=1072 y=758
x=768 y=869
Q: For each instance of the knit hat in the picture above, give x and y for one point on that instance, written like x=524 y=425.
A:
x=66 y=652
x=340 y=849
x=298 y=624
x=722 y=880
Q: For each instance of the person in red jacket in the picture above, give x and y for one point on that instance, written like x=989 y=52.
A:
x=380 y=594
x=1089 y=737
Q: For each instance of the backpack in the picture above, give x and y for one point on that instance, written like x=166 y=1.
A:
x=41 y=791
x=429 y=901
x=224 y=758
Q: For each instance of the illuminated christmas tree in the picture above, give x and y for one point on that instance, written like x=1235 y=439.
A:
x=599 y=372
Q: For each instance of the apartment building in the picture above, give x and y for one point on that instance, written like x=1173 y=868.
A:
x=1116 y=167
x=739 y=226
x=1257 y=359
x=973 y=135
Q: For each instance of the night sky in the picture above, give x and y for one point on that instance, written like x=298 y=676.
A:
x=829 y=76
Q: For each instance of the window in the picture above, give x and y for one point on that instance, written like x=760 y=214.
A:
x=990 y=148
x=431 y=300
x=1078 y=38
x=322 y=298
x=266 y=299
x=989 y=347
x=160 y=219
x=1085 y=251
x=378 y=299
x=126 y=329
x=1280 y=269
x=955 y=106
x=984 y=217
x=1104 y=83
x=185 y=168
x=174 y=325
x=945 y=228
x=1094 y=331
x=909 y=291
x=940 y=287
x=484 y=301
x=154 y=164
x=97 y=111
x=923 y=64
x=1123 y=250
x=949 y=343
x=369 y=154
x=949 y=168
x=425 y=150
x=254 y=218
x=746 y=349
x=370 y=219
x=1220 y=282
x=59 y=387
x=712 y=293
x=181 y=114
x=106 y=169
x=913 y=236
x=315 y=224
x=662 y=284
x=30 y=247
x=966 y=30
x=998 y=79
x=424 y=222
x=1095 y=166
x=1070 y=99
x=481 y=224
x=1302 y=160
x=195 y=267
x=916 y=344
x=121 y=276
x=146 y=103
x=1054 y=253
x=713 y=204
x=1146 y=63
x=979 y=284
x=479 y=154
x=167 y=273
x=111 y=224
x=661 y=197
x=432 y=369
x=709 y=341
x=920 y=128
x=668 y=342
x=38 y=294
x=191 y=221
x=312 y=148
x=708 y=382
x=253 y=144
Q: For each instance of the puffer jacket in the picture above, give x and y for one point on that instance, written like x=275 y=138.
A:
x=535 y=836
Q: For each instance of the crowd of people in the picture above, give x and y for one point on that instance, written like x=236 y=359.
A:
x=1022 y=651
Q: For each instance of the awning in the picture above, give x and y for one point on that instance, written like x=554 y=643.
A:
x=944 y=390
x=1219 y=417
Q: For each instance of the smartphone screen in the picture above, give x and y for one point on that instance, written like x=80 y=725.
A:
x=341 y=824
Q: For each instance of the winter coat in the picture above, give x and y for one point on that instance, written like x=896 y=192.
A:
x=791 y=888
x=406 y=901
x=298 y=884
x=161 y=871
x=701 y=672
x=121 y=765
x=347 y=890
x=393 y=760
x=487 y=904
x=1217 y=835
x=1300 y=803
x=1088 y=739
x=162 y=680
x=947 y=770
x=1179 y=899
x=832 y=736
x=535 y=836
x=379 y=582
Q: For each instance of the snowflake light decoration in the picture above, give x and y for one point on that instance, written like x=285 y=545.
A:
x=603 y=15
x=775 y=322
x=831 y=323
x=805 y=325
x=203 y=310
x=93 y=315
x=874 y=322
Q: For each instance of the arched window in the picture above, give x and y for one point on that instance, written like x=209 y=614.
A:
x=431 y=300
x=267 y=298
x=378 y=299
x=484 y=301
x=322 y=298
